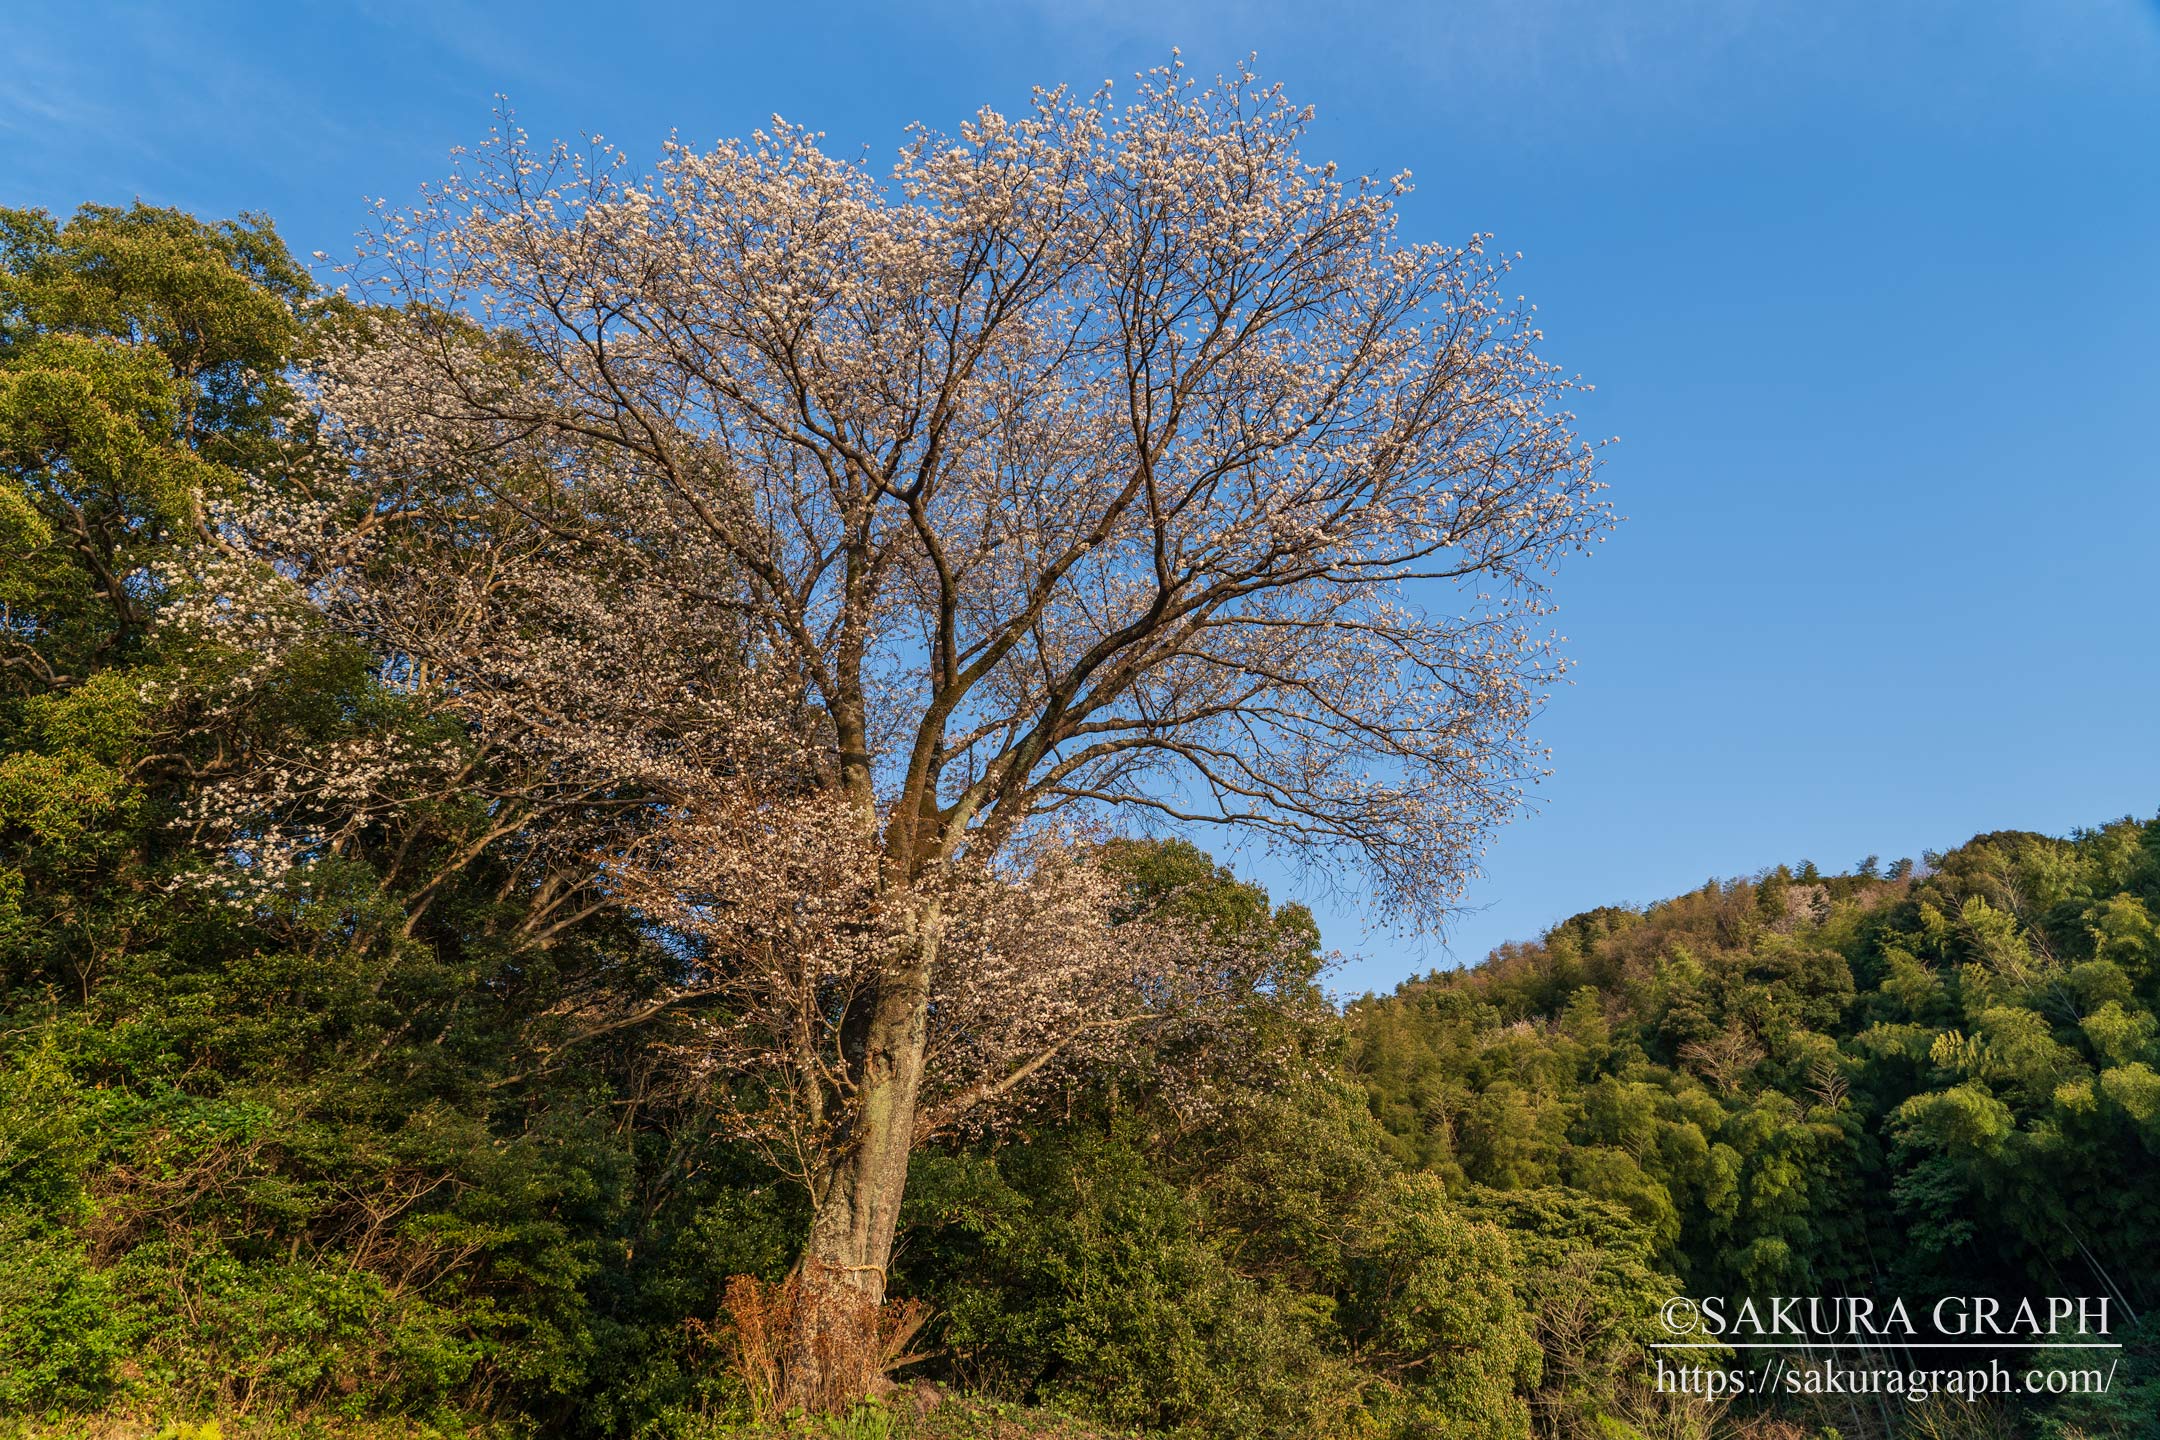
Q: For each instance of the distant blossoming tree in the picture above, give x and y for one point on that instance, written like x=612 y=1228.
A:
x=867 y=533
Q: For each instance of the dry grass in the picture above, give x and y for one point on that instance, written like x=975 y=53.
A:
x=853 y=1351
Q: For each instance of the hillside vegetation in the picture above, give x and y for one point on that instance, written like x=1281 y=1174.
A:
x=1933 y=1081
x=1934 y=1078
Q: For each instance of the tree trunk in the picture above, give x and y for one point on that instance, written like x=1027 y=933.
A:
x=835 y=1354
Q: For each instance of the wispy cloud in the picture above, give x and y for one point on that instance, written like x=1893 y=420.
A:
x=491 y=39
x=45 y=95
x=1552 y=64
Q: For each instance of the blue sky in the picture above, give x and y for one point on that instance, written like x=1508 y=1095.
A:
x=1869 y=292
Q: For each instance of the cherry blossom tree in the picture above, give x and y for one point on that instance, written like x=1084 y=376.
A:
x=822 y=546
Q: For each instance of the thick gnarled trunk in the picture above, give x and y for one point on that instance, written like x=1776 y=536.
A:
x=836 y=1353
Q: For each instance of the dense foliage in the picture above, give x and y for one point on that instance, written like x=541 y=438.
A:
x=256 y=1153
x=335 y=1151
x=1935 y=1081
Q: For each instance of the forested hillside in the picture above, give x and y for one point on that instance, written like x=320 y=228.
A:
x=418 y=1131
x=1933 y=1081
